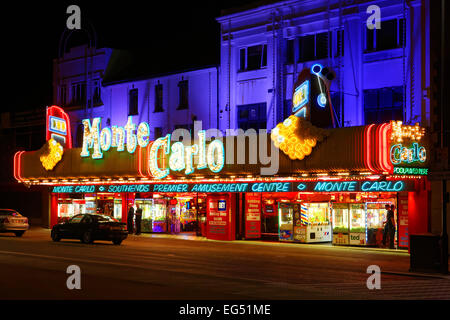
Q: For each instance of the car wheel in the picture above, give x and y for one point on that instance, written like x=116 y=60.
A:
x=19 y=233
x=117 y=241
x=55 y=236
x=87 y=237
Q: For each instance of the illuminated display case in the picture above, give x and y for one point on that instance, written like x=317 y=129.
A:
x=68 y=207
x=286 y=220
x=315 y=223
x=118 y=209
x=341 y=223
x=357 y=224
x=186 y=214
x=91 y=204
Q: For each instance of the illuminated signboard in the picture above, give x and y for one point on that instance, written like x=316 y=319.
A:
x=406 y=171
x=406 y=148
x=58 y=126
x=316 y=186
x=180 y=156
x=300 y=99
x=401 y=154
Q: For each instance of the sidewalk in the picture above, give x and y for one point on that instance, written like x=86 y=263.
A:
x=192 y=237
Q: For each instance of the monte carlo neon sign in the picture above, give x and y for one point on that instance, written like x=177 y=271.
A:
x=405 y=148
x=180 y=156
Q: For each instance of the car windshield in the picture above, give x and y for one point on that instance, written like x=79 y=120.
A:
x=103 y=218
x=13 y=213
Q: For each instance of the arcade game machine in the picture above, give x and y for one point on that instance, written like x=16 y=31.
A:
x=341 y=223
x=117 y=209
x=357 y=224
x=312 y=222
x=158 y=215
x=375 y=216
x=91 y=203
x=186 y=214
x=173 y=216
x=286 y=221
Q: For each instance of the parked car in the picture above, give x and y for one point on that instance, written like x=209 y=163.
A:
x=90 y=227
x=12 y=221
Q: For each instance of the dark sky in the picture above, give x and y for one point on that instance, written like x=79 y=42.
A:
x=31 y=33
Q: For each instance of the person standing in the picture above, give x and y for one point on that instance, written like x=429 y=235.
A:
x=130 y=218
x=389 y=227
x=138 y=219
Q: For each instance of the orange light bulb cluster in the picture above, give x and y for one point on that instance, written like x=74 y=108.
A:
x=401 y=131
x=296 y=137
x=52 y=155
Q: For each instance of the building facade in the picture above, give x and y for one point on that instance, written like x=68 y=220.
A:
x=381 y=74
x=378 y=75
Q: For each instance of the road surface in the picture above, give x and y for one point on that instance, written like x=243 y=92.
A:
x=165 y=267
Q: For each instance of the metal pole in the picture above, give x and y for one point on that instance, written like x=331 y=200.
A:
x=444 y=237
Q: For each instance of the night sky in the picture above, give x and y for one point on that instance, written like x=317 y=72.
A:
x=31 y=33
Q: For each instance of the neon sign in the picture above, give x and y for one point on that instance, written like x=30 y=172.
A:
x=401 y=154
x=300 y=98
x=58 y=126
x=180 y=156
x=387 y=186
x=406 y=170
x=318 y=186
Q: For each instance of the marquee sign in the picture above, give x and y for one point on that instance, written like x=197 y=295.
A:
x=309 y=186
x=180 y=157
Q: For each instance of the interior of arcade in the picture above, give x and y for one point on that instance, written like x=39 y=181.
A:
x=161 y=213
x=346 y=218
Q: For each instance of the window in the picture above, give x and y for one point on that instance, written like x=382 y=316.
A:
x=133 y=102
x=159 y=98
x=336 y=103
x=383 y=104
x=158 y=133
x=323 y=45
x=306 y=47
x=252 y=116
x=62 y=95
x=315 y=46
x=183 y=94
x=391 y=35
x=253 y=58
x=290 y=52
x=76 y=219
x=97 y=93
x=339 y=43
